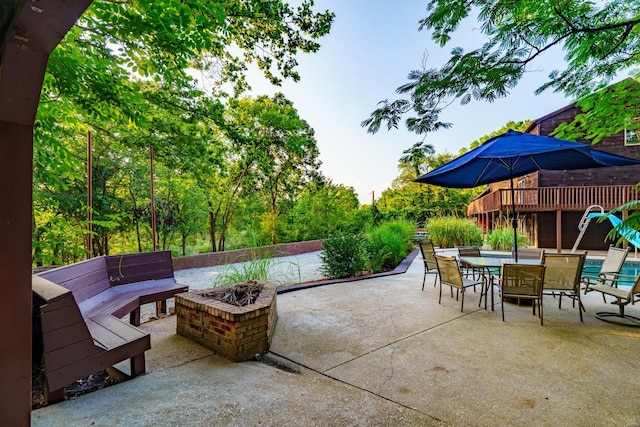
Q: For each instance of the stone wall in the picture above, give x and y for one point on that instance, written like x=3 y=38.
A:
x=229 y=257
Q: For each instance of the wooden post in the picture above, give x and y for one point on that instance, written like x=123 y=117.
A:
x=153 y=201
x=15 y=252
x=89 y=198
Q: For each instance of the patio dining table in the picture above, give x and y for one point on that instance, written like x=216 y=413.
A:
x=493 y=266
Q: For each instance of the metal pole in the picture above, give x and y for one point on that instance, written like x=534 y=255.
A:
x=89 y=198
x=514 y=220
x=153 y=201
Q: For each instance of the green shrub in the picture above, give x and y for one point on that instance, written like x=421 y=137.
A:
x=376 y=254
x=388 y=244
x=501 y=239
x=449 y=232
x=342 y=255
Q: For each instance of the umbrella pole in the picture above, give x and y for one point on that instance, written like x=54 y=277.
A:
x=514 y=220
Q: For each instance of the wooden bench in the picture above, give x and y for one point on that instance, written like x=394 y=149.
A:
x=80 y=306
x=118 y=284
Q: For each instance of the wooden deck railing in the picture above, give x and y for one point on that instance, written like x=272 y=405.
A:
x=554 y=198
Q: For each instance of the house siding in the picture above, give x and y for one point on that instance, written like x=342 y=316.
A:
x=541 y=225
x=594 y=238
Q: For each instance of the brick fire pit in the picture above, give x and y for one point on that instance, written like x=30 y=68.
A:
x=237 y=333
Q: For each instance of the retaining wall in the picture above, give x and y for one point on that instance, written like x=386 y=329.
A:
x=229 y=257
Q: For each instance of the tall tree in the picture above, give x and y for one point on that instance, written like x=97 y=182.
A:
x=601 y=41
x=321 y=209
x=279 y=147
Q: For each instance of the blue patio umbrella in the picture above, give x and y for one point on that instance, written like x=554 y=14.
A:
x=513 y=154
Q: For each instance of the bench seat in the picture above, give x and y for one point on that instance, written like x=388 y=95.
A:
x=121 y=300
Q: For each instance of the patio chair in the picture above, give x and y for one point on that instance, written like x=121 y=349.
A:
x=450 y=275
x=522 y=281
x=562 y=275
x=527 y=253
x=609 y=270
x=623 y=295
x=468 y=270
x=428 y=251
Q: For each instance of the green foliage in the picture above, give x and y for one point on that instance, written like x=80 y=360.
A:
x=388 y=244
x=277 y=151
x=416 y=156
x=58 y=242
x=343 y=255
x=501 y=239
x=617 y=102
x=382 y=248
x=255 y=269
x=601 y=40
x=417 y=202
x=262 y=266
x=449 y=232
x=322 y=209
x=632 y=222
x=125 y=73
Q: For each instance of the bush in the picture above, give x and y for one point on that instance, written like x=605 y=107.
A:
x=388 y=244
x=501 y=239
x=449 y=232
x=342 y=255
x=384 y=247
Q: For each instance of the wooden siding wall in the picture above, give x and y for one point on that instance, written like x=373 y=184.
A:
x=594 y=238
x=602 y=176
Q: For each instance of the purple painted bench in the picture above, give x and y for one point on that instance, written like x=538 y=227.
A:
x=80 y=307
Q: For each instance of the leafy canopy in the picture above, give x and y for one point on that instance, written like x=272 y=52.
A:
x=601 y=40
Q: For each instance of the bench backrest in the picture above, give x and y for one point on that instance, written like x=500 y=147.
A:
x=66 y=339
x=139 y=267
x=84 y=279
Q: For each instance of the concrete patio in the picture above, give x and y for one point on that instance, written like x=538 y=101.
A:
x=381 y=352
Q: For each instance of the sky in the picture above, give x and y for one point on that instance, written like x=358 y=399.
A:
x=372 y=47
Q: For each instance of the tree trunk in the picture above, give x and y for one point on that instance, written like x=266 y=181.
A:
x=138 y=236
x=274 y=218
x=136 y=220
x=213 y=219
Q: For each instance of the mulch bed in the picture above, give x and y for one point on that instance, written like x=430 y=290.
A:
x=240 y=294
x=83 y=386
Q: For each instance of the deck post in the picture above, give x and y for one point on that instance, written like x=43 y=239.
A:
x=15 y=253
x=28 y=36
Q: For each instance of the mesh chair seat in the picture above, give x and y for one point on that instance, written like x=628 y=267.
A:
x=562 y=275
x=522 y=282
x=608 y=272
x=450 y=275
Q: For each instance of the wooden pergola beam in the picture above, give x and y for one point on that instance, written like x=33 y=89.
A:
x=29 y=31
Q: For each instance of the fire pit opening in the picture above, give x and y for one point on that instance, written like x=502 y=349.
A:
x=240 y=294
